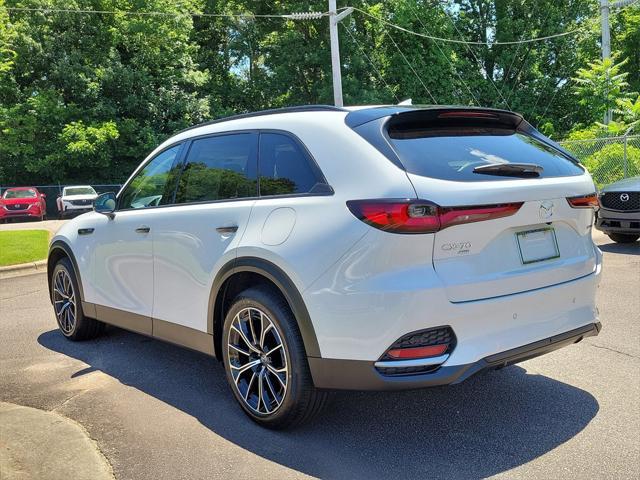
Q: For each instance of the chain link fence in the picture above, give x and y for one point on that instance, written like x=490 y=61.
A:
x=52 y=191
x=607 y=159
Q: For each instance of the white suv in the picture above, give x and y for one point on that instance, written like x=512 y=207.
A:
x=316 y=248
x=77 y=199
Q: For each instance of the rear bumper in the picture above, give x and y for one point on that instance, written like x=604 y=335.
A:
x=362 y=375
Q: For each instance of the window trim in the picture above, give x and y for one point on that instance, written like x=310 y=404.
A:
x=182 y=156
x=177 y=161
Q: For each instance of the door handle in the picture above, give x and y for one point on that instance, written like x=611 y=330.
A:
x=230 y=229
x=143 y=229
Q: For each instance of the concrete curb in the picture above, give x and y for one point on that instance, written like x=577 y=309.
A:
x=23 y=269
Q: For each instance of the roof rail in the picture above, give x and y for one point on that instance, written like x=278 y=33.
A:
x=272 y=111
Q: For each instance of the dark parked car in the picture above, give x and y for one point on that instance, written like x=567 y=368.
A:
x=619 y=214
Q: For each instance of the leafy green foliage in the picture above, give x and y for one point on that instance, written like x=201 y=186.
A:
x=606 y=165
x=85 y=97
x=601 y=85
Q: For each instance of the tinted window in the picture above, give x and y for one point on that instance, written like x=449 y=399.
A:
x=154 y=184
x=453 y=154
x=219 y=168
x=285 y=167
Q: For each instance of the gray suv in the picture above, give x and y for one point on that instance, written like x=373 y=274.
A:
x=619 y=214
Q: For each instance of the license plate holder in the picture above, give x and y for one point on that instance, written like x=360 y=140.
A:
x=537 y=245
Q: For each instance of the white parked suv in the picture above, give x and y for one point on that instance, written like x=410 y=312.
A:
x=317 y=248
x=77 y=199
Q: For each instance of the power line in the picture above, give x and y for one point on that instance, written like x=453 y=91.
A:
x=557 y=89
x=410 y=66
x=505 y=77
x=290 y=16
x=478 y=63
x=451 y=40
x=371 y=63
x=445 y=56
x=524 y=60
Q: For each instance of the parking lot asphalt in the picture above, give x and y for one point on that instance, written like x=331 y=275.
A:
x=157 y=411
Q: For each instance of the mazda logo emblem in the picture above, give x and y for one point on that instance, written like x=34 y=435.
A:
x=624 y=197
x=546 y=210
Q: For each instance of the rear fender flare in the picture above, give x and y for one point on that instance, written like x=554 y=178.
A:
x=282 y=281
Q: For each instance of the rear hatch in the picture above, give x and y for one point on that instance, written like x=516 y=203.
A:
x=506 y=189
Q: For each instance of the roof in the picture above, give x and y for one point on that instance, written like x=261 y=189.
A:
x=272 y=111
x=356 y=115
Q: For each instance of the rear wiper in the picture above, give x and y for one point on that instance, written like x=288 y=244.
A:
x=510 y=169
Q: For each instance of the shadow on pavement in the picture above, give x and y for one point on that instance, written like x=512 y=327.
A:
x=625 y=248
x=491 y=423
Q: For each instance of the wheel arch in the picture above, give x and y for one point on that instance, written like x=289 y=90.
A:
x=240 y=273
x=60 y=249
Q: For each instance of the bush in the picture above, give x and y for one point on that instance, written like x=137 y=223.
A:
x=607 y=164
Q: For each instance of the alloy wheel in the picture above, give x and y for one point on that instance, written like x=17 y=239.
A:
x=257 y=360
x=64 y=301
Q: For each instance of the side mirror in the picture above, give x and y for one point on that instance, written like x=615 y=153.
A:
x=43 y=195
x=106 y=204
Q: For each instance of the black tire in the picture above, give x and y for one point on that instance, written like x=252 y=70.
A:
x=301 y=401
x=82 y=327
x=623 y=237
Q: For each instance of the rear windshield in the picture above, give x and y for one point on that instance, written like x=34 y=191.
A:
x=19 y=194
x=452 y=154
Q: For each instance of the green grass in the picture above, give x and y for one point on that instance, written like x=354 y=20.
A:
x=22 y=246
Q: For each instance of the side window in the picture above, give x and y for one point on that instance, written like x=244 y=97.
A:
x=154 y=184
x=219 y=168
x=284 y=166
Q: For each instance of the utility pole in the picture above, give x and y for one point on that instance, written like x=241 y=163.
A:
x=606 y=44
x=605 y=9
x=604 y=25
x=334 y=19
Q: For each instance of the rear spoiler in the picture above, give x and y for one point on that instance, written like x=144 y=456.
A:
x=408 y=113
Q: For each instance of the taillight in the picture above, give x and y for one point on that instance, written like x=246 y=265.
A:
x=397 y=216
x=584 y=201
x=450 y=216
x=421 y=216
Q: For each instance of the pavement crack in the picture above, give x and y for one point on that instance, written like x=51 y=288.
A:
x=61 y=405
x=613 y=350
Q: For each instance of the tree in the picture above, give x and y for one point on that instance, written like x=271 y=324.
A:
x=85 y=96
x=600 y=86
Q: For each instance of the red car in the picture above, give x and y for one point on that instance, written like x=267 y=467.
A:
x=22 y=202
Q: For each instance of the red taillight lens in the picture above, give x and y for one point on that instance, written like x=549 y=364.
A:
x=397 y=216
x=418 y=352
x=450 y=216
x=420 y=216
x=584 y=201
